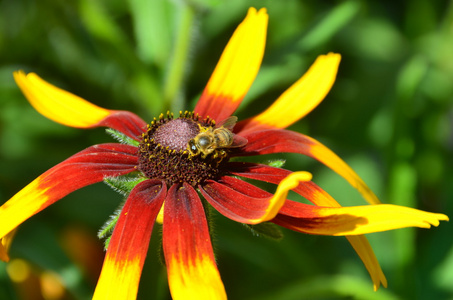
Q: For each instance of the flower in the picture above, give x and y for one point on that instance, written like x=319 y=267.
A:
x=170 y=159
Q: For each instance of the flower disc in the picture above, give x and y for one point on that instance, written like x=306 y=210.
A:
x=163 y=151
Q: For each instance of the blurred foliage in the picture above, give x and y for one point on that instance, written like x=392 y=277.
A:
x=389 y=115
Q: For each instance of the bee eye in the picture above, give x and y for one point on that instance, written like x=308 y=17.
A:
x=193 y=147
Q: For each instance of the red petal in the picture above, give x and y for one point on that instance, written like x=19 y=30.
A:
x=128 y=246
x=84 y=168
x=257 y=171
x=275 y=141
x=192 y=271
x=240 y=201
x=306 y=189
x=125 y=122
x=279 y=140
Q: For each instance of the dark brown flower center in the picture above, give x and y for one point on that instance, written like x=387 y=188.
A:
x=163 y=151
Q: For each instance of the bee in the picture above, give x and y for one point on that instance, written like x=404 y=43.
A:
x=211 y=139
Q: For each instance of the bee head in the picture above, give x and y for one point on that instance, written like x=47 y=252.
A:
x=193 y=147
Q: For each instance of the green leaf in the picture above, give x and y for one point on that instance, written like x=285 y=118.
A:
x=153 y=28
x=333 y=22
x=100 y=22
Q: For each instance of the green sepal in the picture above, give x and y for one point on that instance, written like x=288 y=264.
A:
x=276 y=163
x=124 y=184
x=107 y=242
x=121 y=137
x=107 y=228
x=266 y=229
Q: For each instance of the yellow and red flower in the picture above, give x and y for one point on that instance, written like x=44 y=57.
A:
x=170 y=175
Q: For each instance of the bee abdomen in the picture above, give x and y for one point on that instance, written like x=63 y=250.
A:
x=224 y=137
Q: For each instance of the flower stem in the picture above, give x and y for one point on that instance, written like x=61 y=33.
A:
x=173 y=100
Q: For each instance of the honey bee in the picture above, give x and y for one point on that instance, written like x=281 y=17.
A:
x=211 y=139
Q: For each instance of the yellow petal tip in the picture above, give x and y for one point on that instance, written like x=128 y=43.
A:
x=279 y=198
x=304 y=95
x=241 y=59
x=58 y=105
x=443 y=217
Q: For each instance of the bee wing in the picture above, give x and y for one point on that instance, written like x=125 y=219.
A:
x=238 y=141
x=228 y=123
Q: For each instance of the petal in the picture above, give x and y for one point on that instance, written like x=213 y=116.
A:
x=120 y=275
x=301 y=98
x=360 y=243
x=236 y=69
x=3 y=250
x=70 y=110
x=307 y=189
x=126 y=122
x=318 y=197
x=160 y=215
x=192 y=271
x=353 y=220
x=245 y=203
x=363 y=248
x=338 y=220
x=84 y=168
x=372 y=219
x=278 y=141
x=5 y=243
x=57 y=104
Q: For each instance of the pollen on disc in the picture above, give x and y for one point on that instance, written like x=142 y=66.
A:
x=176 y=133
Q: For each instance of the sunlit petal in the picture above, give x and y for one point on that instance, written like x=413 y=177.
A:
x=353 y=220
x=128 y=246
x=57 y=104
x=236 y=69
x=71 y=110
x=346 y=220
x=192 y=271
x=301 y=98
x=84 y=168
x=278 y=141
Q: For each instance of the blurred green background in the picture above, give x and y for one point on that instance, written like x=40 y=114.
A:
x=389 y=115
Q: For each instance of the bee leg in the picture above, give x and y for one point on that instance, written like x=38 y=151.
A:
x=215 y=155
x=222 y=154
